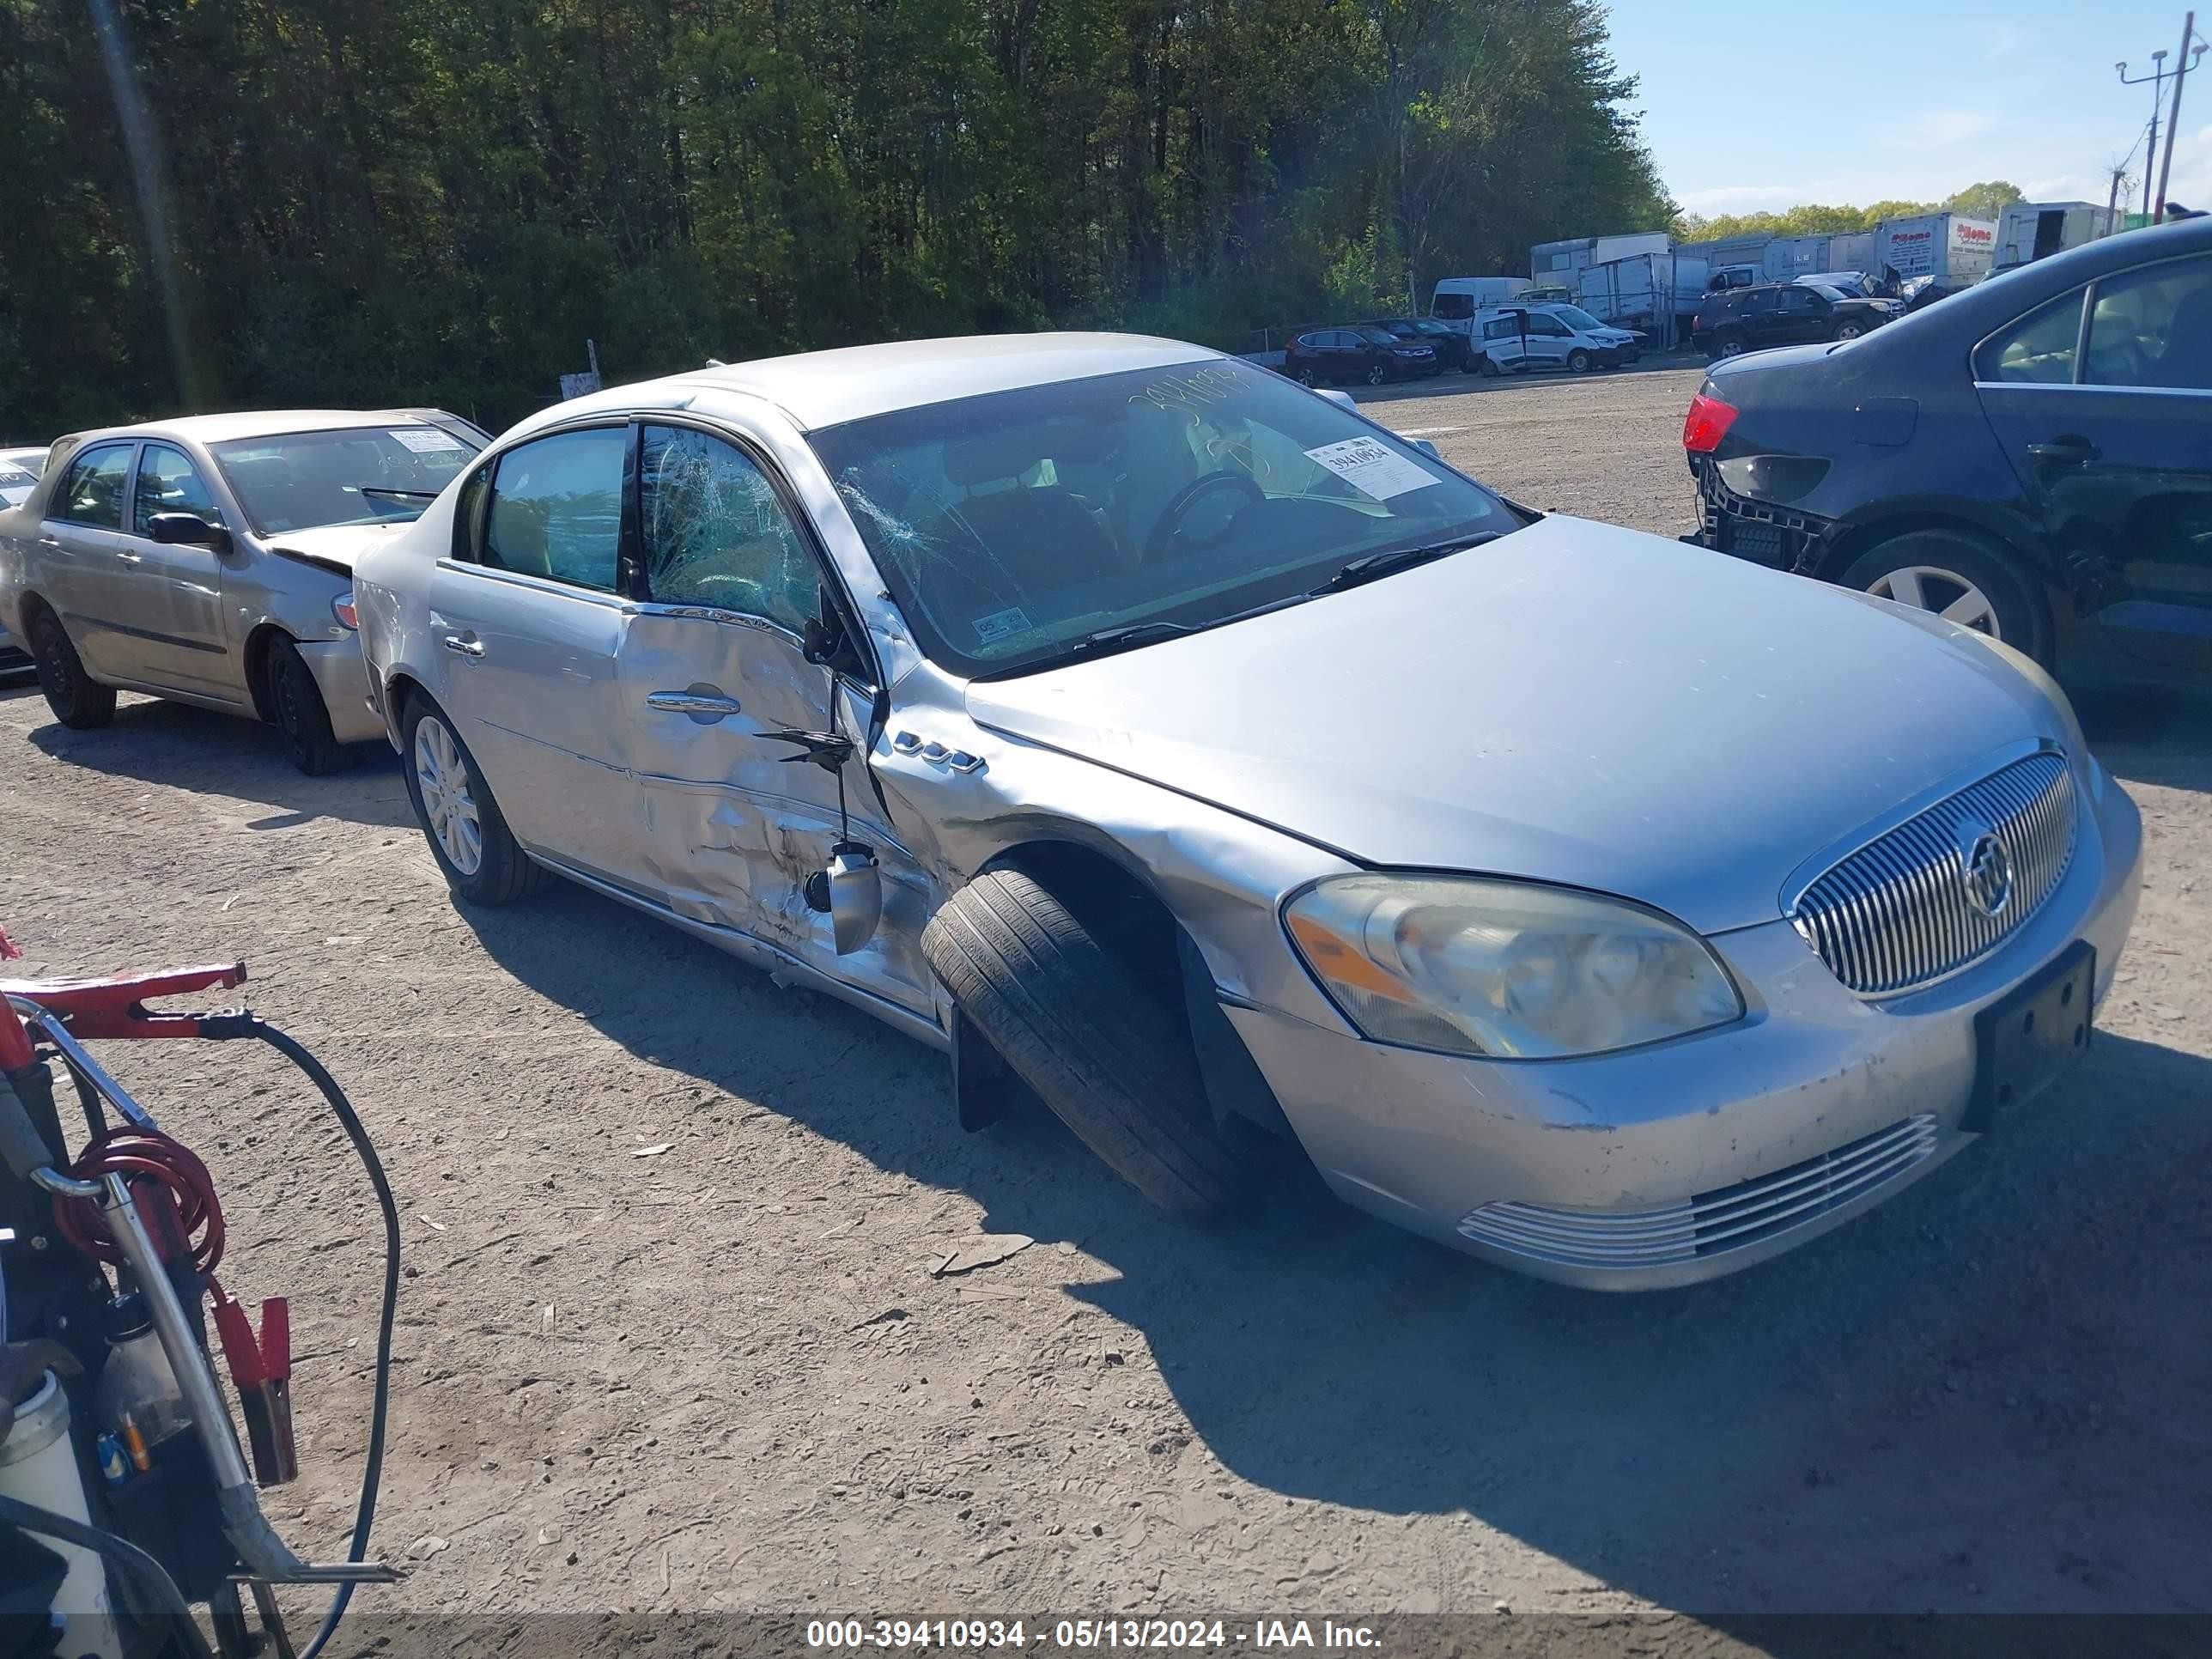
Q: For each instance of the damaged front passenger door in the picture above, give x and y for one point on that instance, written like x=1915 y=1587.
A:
x=751 y=746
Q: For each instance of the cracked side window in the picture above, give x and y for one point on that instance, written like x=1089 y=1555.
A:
x=714 y=532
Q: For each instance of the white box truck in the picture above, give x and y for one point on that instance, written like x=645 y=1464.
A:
x=1949 y=247
x=2028 y=231
x=1788 y=257
x=1645 y=291
x=1556 y=264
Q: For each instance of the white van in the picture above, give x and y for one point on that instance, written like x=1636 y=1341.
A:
x=1513 y=339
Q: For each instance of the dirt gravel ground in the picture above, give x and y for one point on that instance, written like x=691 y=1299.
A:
x=671 y=1338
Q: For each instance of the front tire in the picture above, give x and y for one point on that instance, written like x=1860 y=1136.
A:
x=1578 y=361
x=483 y=862
x=1960 y=578
x=1850 y=330
x=1485 y=366
x=1079 y=1028
x=79 y=701
x=297 y=710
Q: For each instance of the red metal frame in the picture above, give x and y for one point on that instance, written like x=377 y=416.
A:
x=99 y=1008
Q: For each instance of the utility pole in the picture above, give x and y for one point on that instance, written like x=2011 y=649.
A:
x=2189 y=56
x=2112 y=203
x=2156 y=81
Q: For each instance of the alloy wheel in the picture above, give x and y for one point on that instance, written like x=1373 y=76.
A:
x=442 y=776
x=1946 y=593
x=1731 y=347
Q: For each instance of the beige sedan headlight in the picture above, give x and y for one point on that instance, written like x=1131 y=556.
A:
x=1475 y=966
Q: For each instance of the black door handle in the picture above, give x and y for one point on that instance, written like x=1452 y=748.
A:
x=2066 y=451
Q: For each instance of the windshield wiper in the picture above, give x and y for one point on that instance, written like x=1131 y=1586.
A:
x=386 y=489
x=1127 y=637
x=1369 y=567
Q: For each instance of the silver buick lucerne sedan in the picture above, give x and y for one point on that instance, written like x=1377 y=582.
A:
x=1168 y=742
x=209 y=560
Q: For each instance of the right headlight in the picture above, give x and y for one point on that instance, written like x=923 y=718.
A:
x=1472 y=965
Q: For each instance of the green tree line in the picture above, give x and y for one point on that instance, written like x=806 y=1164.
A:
x=1981 y=201
x=210 y=203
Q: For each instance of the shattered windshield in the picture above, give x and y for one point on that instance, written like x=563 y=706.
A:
x=353 y=475
x=1010 y=525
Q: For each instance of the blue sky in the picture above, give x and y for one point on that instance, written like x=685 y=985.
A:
x=1767 y=103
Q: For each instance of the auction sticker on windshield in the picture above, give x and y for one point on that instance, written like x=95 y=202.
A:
x=423 y=440
x=1372 y=468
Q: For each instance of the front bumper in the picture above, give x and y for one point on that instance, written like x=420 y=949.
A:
x=343 y=677
x=1816 y=1106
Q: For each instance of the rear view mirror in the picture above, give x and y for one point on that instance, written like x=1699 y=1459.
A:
x=1343 y=398
x=1428 y=447
x=188 y=529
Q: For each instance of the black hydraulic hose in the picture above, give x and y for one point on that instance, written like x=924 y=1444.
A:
x=149 y=1572
x=251 y=1025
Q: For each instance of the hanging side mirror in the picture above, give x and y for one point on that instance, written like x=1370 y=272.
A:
x=850 y=892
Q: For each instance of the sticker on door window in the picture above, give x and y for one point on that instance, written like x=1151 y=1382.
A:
x=999 y=623
x=426 y=440
x=1371 y=468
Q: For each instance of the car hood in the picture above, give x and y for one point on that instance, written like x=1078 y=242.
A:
x=335 y=547
x=1577 y=703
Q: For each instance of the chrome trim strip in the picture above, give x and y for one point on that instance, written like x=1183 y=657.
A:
x=1751 y=1213
x=2082 y=385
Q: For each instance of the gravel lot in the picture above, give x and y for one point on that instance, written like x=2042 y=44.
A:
x=723 y=1375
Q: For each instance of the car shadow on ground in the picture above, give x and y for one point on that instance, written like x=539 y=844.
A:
x=2150 y=737
x=1981 y=1396
x=181 y=747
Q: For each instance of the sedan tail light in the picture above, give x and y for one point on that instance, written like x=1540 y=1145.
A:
x=1707 y=424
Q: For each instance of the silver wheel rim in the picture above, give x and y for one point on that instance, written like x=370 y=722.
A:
x=1848 y=331
x=442 y=778
x=1946 y=593
x=1731 y=347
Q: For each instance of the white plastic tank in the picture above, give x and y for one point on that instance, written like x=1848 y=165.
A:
x=38 y=1465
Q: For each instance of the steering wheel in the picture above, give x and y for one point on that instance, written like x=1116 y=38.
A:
x=1171 y=518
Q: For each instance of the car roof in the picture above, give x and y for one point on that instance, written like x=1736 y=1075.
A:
x=252 y=423
x=818 y=389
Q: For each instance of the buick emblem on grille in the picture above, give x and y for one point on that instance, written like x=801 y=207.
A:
x=1985 y=869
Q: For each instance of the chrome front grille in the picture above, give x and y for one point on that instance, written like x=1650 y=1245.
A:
x=1728 y=1219
x=1913 y=905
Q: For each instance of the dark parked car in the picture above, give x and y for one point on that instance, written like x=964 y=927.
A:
x=1320 y=355
x=1449 y=343
x=2031 y=457
x=1783 y=314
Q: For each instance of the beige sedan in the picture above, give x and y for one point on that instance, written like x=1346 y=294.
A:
x=209 y=560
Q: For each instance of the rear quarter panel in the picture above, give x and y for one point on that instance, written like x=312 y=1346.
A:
x=1895 y=417
x=392 y=598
